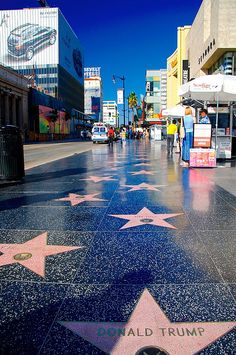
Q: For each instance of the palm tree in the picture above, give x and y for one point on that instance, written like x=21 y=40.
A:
x=133 y=102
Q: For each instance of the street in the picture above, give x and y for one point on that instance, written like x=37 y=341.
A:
x=38 y=154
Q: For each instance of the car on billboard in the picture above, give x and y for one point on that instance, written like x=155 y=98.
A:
x=24 y=40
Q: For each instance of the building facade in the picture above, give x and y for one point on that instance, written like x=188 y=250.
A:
x=211 y=49
x=40 y=44
x=177 y=67
x=110 y=113
x=156 y=93
x=211 y=42
x=13 y=99
x=93 y=92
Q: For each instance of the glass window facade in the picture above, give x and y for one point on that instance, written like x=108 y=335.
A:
x=226 y=64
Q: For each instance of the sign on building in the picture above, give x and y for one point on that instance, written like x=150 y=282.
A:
x=92 y=72
x=185 y=72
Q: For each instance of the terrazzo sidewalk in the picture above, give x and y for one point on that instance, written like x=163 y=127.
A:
x=118 y=251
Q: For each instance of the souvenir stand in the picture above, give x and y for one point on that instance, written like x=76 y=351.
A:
x=215 y=89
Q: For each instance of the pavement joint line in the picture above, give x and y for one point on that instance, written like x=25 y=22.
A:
x=207 y=252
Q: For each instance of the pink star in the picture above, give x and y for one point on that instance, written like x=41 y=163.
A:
x=31 y=254
x=144 y=164
x=145 y=216
x=142 y=172
x=148 y=325
x=76 y=199
x=99 y=178
x=144 y=186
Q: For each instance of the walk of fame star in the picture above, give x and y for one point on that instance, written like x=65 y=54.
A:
x=76 y=199
x=99 y=178
x=143 y=186
x=145 y=216
x=32 y=253
x=142 y=172
x=149 y=327
x=144 y=164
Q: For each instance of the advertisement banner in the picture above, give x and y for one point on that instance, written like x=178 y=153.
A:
x=202 y=135
x=95 y=104
x=120 y=94
x=46 y=124
x=70 y=52
x=202 y=158
x=29 y=37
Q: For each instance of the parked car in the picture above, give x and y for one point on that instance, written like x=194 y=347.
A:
x=25 y=39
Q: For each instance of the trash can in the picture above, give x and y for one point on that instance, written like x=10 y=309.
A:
x=11 y=154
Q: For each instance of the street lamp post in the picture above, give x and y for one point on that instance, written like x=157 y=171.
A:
x=122 y=78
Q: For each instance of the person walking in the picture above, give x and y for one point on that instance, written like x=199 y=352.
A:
x=111 y=135
x=187 y=137
x=123 y=136
x=178 y=139
x=171 y=130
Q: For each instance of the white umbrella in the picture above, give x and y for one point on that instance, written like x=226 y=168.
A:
x=211 y=88
x=177 y=111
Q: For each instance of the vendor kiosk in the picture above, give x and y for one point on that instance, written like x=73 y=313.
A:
x=202 y=155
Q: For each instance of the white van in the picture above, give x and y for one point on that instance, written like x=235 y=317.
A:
x=99 y=133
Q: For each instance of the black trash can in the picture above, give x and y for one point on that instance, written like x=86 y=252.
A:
x=11 y=154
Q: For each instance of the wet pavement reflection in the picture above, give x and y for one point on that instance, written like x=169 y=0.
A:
x=118 y=250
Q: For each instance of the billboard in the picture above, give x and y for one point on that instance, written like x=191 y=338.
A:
x=47 y=126
x=39 y=37
x=70 y=52
x=29 y=37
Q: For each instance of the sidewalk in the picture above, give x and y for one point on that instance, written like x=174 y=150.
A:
x=118 y=251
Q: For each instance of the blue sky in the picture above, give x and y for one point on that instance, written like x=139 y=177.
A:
x=123 y=37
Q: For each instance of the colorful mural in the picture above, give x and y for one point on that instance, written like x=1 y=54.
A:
x=46 y=124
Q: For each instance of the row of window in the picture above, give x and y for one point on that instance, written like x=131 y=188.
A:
x=46 y=81
x=46 y=70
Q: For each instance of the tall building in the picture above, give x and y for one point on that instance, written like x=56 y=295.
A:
x=211 y=42
x=40 y=44
x=110 y=113
x=177 y=67
x=155 y=97
x=93 y=92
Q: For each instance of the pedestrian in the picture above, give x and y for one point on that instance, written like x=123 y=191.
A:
x=123 y=136
x=187 y=136
x=178 y=139
x=171 y=130
x=204 y=116
x=111 y=135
